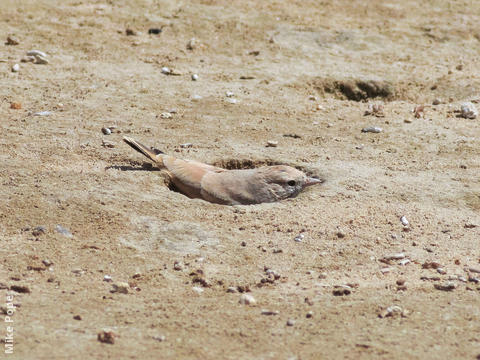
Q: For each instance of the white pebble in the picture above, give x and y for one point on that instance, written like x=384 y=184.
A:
x=299 y=238
x=166 y=115
x=107 y=278
x=290 y=322
x=186 y=145
x=229 y=94
x=166 y=70
x=269 y=312
x=42 y=113
x=231 y=101
x=372 y=129
x=192 y=44
x=16 y=68
x=468 y=110
x=196 y=97
x=404 y=220
x=194 y=77
x=197 y=289
x=247 y=299
x=441 y=271
x=232 y=289
x=398 y=256
x=385 y=270
x=36 y=53
x=404 y=262
x=272 y=143
x=106 y=131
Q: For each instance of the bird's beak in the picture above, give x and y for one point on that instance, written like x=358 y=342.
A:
x=312 y=181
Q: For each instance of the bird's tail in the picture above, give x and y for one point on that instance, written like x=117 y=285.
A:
x=152 y=153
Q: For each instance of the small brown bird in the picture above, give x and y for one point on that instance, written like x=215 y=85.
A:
x=228 y=187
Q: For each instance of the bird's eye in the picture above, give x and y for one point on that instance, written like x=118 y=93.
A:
x=291 y=183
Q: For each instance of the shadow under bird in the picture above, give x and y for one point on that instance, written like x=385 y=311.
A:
x=228 y=187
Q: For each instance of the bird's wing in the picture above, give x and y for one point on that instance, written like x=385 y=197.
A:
x=187 y=175
x=230 y=187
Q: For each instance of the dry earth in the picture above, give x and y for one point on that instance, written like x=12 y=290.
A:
x=312 y=68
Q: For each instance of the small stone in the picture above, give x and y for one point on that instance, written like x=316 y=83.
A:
x=154 y=31
x=408 y=121
x=197 y=289
x=372 y=129
x=229 y=94
x=166 y=70
x=194 y=77
x=15 y=68
x=160 y=338
x=177 y=266
x=166 y=115
x=448 y=286
x=322 y=275
x=404 y=262
x=47 y=262
x=272 y=143
x=270 y=312
x=393 y=311
x=107 y=278
x=232 y=289
x=231 y=101
x=15 y=106
x=64 y=231
x=398 y=256
x=39 y=230
x=431 y=265
x=12 y=41
x=36 y=53
x=474 y=270
x=77 y=271
x=312 y=98
x=436 y=102
x=309 y=314
x=404 y=221
x=400 y=282
x=120 y=287
x=243 y=243
x=290 y=322
x=342 y=290
x=24 y=289
x=186 y=145
x=107 y=337
x=42 y=113
x=340 y=234
x=130 y=32
x=108 y=144
x=441 y=271
x=247 y=299
x=77 y=317
x=27 y=59
x=192 y=44
x=106 y=131
x=468 y=111
x=40 y=60
x=196 y=97
x=385 y=270
x=299 y=238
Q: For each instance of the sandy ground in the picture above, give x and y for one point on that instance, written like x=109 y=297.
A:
x=303 y=73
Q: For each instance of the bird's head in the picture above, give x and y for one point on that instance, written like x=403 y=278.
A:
x=286 y=182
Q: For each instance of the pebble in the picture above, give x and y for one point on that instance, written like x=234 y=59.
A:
x=372 y=129
x=36 y=53
x=385 y=270
x=197 y=289
x=120 y=287
x=231 y=101
x=107 y=337
x=342 y=290
x=177 y=266
x=229 y=94
x=64 y=231
x=166 y=70
x=398 y=256
x=290 y=322
x=154 y=31
x=186 y=145
x=39 y=230
x=130 y=32
x=15 y=68
x=166 y=115
x=270 y=312
x=40 y=60
x=108 y=144
x=194 y=77
x=192 y=44
x=393 y=311
x=247 y=299
x=77 y=271
x=159 y=338
x=24 y=289
x=441 y=271
x=448 y=286
x=309 y=314
x=47 y=262
x=404 y=262
x=404 y=220
x=232 y=289
x=106 y=131
x=299 y=238
x=272 y=143
x=107 y=278
x=77 y=317
x=196 y=97
x=26 y=59
x=468 y=111
x=15 y=106
x=474 y=270
x=436 y=102
x=12 y=41
x=42 y=113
